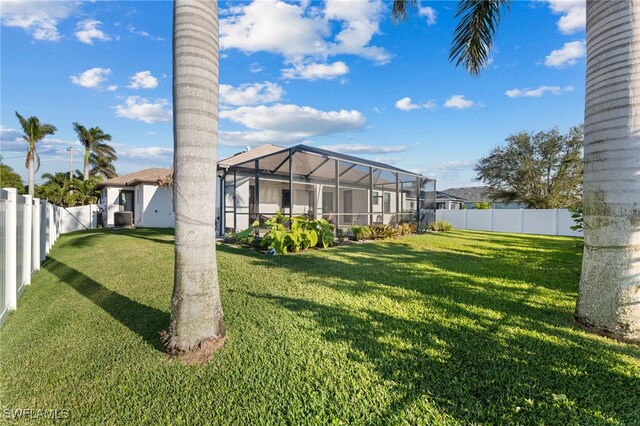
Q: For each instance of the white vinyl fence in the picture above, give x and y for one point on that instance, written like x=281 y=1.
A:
x=29 y=227
x=523 y=221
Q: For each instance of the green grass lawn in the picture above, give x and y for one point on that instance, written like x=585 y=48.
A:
x=456 y=328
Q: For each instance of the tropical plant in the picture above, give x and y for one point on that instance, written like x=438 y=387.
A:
x=608 y=300
x=10 y=179
x=303 y=233
x=577 y=214
x=197 y=327
x=34 y=131
x=379 y=232
x=441 y=226
x=360 y=232
x=406 y=229
x=101 y=167
x=59 y=190
x=94 y=142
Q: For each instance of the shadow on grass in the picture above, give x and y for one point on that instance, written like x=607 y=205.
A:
x=496 y=340
x=145 y=321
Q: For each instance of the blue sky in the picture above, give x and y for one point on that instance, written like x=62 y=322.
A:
x=336 y=74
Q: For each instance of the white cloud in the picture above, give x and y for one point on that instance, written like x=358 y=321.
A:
x=429 y=13
x=92 y=78
x=137 y=108
x=286 y=124
x=143 y=80
x=304 y=31
x=38 y=18
x=141 y=33
x=255 y=67
x=250 y=94
x=538 y=92
x=87 y=31
x=567 y=55
x=574 y=14
x=358 y=148
x=316 y=71
x=112 y=88
x=405 y=104
x=296 y=119
x=146 y=152
x=459 y=102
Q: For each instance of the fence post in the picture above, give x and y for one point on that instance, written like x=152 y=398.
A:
x=10 y=246
x=521 y=221
x=43 y=230
x=35 y=235
x=491 y=219
x=27 y=239
x=555 y=222
x=466 y=211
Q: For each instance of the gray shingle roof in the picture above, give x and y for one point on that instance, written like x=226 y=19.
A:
x=150 y=175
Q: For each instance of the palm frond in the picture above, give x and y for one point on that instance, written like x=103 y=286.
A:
x=473 y=36
x=401 y=8
x=38 y=159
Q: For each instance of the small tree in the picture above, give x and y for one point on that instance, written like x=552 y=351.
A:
x=543 y=170
x=10 y=179
x=482 y=205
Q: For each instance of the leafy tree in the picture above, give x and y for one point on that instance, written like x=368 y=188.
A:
x=94 y=142
x=34 y=131
x=59 y=190
x=543 y=170
x=197 y=328
x=608 y=296
x=482 y=205
x=10 y=179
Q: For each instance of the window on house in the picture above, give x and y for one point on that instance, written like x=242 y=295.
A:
x=376 y=198
x=327 y=201
x=387 y=202
x=286 y=199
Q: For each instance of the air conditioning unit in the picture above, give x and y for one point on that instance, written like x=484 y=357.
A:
x=123 y=219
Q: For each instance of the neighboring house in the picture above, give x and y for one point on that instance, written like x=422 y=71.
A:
x=300 y=180
x=446 y=201
x=466 y=197
x=145 y=193
x=304 y=180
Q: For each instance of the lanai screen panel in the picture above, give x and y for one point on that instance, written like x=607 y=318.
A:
x=427 y=200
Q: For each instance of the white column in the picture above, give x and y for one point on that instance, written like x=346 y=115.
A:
x=10 y=246
x=27 y=238
x=35 y=233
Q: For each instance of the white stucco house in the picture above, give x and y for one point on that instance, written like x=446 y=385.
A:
x=144 y=193
x=298 y=180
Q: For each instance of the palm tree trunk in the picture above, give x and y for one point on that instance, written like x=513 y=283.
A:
x=86 y=164
x=609 y=294
x=32 y=174
x=196 y=312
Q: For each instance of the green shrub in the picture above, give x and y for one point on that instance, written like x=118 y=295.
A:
x=406 y=228
x=577 y=214
x=303 y=233
x=441 y=226
x=361 y=233
x=379 y=232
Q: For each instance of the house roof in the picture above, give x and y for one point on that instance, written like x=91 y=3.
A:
x=444 y=196
x=308 y=161
x=152 y=175
x=474 y=194
x=249 y=155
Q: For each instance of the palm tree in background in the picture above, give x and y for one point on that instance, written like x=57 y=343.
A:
x=94 y=141
x=608 y=296
x=101 y=167
x=196 y=326
x=34 y=131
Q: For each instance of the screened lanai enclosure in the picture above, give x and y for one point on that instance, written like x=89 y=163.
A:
x=317 y=183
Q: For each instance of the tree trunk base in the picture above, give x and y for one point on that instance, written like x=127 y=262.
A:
x=196 y=355
x=591 y=328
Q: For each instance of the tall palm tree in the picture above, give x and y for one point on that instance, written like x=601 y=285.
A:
x=196 y=310
x=101 y=167
x=94 y=141
x=34 y=131
x=609 y=292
